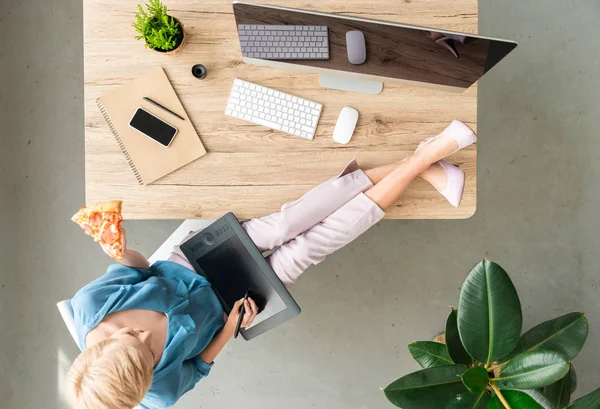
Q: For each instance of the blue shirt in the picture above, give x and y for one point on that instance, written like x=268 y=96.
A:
x=192 y=307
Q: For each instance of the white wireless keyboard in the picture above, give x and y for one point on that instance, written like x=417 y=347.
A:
x=284 y=42
x=273 y=109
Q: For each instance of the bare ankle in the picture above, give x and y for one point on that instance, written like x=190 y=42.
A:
x=421 y=158
x=418 y=163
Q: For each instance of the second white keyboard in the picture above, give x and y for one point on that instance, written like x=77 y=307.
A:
x=273 y=109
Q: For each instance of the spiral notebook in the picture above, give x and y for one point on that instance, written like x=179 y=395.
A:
x=149 y=160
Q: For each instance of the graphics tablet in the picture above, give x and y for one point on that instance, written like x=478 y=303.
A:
x=226 y=256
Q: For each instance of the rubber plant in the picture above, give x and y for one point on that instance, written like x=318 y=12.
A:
x=487 y=364
x=160 y=31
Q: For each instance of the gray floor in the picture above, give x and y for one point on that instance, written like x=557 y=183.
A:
x=538 y=216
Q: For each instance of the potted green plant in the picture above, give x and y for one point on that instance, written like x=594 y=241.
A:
x=161 y=32
x=487 y=364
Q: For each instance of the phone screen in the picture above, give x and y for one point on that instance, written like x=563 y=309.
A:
x=153 y=127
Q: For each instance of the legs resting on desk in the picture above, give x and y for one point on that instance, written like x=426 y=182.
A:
x=339 y=210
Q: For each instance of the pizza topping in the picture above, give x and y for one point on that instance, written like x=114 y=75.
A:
x=111 y=235
x=112 y=217
x=95 y=219
x=88 y=230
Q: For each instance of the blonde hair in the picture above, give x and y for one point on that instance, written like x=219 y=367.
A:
x=108 y=375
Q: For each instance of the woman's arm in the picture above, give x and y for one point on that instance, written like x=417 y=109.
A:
x=132 y=258
x=218 y=342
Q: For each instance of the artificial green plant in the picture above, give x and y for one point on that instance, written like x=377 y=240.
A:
x=487 y=364
x=159 y=30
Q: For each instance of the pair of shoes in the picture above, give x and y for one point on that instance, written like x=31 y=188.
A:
x=448 y=41
x=455 y=178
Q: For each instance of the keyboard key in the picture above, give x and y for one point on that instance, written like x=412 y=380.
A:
x=268 y=124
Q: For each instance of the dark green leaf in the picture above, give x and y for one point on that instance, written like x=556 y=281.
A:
x=539 y=398
x=531 y=370
x=516 y=400
x=430 y=354
x=456 y=350
x=565 y=334
x=427 y=388
x=489 y=313
x=574 y=380
x=559 y=393
x=494 y=403
x=468 y=400
x=590 y=401
x=476 y=379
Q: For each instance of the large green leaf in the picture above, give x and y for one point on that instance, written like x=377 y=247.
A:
x=559 y=393
x=476 y=379
x=489 y=313
x=532 y=370
x=565 y=334
x=456 y=350
x=430 y=354
x=516 y=400
x=468 y=400
x=590 y=401
x=539 y=398
x=426 y=389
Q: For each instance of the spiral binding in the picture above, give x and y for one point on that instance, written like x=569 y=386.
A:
x=120 y=142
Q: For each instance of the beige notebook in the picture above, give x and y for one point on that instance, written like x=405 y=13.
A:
x=148 y=159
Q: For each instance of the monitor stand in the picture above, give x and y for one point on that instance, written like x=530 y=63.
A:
x=350 y=84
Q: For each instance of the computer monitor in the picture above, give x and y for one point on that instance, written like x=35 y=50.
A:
x=394 y=52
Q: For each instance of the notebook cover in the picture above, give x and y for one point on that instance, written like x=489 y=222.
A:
x=148 y=159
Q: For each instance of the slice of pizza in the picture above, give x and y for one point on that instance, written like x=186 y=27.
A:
x=102 y=221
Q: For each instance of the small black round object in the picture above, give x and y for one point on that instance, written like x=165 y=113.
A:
x=199 y=71
x=209 y=239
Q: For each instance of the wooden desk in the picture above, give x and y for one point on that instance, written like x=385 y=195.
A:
x=251 y=170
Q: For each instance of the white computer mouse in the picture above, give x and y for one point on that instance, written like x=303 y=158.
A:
x=344 y=127
x=356 y=47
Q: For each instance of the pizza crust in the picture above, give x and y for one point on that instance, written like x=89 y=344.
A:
x=104 y=207
x=80 y=216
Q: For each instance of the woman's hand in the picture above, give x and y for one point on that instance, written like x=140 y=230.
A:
x=251 y=310
x=218 y=342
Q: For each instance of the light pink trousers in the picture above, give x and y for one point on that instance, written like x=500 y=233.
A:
x=306 y=231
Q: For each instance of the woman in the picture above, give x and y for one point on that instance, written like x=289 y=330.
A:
x=152 y=332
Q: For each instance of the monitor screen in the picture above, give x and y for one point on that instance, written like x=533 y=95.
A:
x=393 y=51
x=227 y=268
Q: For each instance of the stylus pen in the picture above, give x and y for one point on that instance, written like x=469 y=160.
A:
x=240 y=318
x=156 y=104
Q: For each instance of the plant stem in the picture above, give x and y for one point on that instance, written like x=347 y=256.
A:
x=491 y=367
x=499 y=394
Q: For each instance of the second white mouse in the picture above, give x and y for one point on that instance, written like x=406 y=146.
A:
x=344 y=127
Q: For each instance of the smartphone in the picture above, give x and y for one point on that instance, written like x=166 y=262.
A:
x=153 y=127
